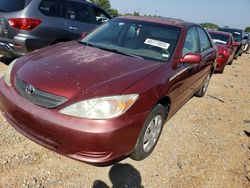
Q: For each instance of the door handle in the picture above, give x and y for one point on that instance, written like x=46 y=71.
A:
x=72 y=28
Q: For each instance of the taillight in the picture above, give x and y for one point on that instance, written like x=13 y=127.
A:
x=24 y=23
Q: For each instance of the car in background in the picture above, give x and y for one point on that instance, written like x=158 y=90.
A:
x=246 y=38
x=108 y=95
x=226 y=48
x=238 y=37
x=26 y=25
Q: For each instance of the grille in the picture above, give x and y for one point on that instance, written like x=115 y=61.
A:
x=39 y=97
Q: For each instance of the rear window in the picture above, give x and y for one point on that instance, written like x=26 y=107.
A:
x=237 y=34
x=13 y=5
x=217 y=38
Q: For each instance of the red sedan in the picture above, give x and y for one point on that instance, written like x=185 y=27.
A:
x=226 y=48
x=108 y=95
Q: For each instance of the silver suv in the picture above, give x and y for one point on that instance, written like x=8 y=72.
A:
x=26 y=25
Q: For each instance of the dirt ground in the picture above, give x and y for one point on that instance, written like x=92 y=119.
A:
x=206 y=144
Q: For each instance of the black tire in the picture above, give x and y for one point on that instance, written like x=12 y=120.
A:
x=231 y=62
x=144 y=148
x=203 y=90
x=221 y=72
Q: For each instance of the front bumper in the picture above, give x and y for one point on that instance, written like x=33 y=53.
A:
x=98 y=142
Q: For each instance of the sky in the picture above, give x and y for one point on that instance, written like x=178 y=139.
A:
x=232 y=13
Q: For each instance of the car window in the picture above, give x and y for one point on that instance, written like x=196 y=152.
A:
x=191 y=42
x=76 y=11
x=237 y=34
x=219 y=38
x=13 y=5
x=100 y=15
x=204 y=40
x=51 y=7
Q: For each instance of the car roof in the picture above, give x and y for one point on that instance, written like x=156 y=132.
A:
x=219 y=32
x=160 y=20
x=230 y=29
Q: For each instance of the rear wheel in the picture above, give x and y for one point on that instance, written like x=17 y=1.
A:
x=203 y=90
x=150 y=133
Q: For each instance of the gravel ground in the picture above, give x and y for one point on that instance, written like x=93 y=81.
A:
x=206 y=144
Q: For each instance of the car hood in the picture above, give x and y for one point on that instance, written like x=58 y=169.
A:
x=74 y=70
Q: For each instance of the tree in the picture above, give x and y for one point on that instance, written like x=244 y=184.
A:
x=209 y=25
x=247 y=29
x=105 y=4
x=114 y=12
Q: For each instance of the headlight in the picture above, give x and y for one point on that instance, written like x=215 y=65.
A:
x=8 y=73
x=101 y=108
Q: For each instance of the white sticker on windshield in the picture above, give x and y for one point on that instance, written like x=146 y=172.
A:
x=237 y=33
x=219 y=41
x=157 y=43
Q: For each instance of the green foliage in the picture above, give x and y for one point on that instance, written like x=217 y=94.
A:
x=209 y=25
x=114 y=12
x=247 y=29
x=105 y=4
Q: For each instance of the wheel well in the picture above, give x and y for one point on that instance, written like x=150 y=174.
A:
x=59 y=40
x=166 y=103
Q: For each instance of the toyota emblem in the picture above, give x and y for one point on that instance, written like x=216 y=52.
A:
x=30 y=90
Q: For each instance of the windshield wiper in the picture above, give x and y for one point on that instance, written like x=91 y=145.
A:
x=111 y=50
x=3 y=10
x=86 y=44
x=124 y=53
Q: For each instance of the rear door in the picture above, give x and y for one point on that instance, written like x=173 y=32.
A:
x=78 y=17
x=10 y=9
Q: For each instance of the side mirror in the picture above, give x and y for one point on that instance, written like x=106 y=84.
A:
x=192 y=58
x=236 y=44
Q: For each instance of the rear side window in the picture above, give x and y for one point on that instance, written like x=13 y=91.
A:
x=76 y=11
x=191 y=42
x=219 y=38
x=101 y=16
x=204 y=40
x=13 y=5
x=50 y=7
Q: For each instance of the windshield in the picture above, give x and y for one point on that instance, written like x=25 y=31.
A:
x=135 y=38
x=13 y=5
x=221 y=39
x=237 y=36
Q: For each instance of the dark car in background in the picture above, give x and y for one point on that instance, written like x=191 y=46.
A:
x=238 y=37
x=26 y=25
x=226 y=48
x=107 y=96
x=246 y=38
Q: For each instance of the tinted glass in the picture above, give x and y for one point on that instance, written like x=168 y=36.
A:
x=237 y=34
x=191 y=42
x=76 y=11
x=221 y=39
x=145 y=40
x=204 y=40
x=100 y=16
x=50 y=7
x=13 y=5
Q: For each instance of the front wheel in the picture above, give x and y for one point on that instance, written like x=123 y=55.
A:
x=150 y=133
x=203 y=90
